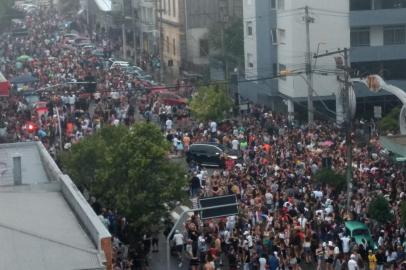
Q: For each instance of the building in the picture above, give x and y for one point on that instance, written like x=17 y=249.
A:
x=275 y=40
x=148 y=31
x=46 y=223
x=185 y=27
x=378 y=46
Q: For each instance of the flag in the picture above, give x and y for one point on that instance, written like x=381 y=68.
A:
x=4 y=86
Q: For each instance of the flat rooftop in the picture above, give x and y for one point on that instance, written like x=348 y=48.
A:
x=43 y=223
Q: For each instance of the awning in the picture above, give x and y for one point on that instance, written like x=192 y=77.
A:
x=4 y=86
x=394 y=144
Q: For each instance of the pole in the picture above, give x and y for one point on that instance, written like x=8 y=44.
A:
x=59 y=128
x=161 y=43
x=186 y=34
x=348 y=129
x=124 y=34
x=168 y=248
x=310 y=113
x=134 y=36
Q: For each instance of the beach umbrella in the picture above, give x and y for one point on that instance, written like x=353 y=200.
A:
x=24 y=58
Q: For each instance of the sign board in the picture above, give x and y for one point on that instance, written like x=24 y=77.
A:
x=217 y=201
x=378 y=112
x=243 y=107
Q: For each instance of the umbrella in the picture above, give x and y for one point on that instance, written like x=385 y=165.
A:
x=24 y=58
x=26 y=78
x=327 y=143
x=19 y=65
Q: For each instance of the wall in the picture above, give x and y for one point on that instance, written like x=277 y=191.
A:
x=331 y=27
x=193 y=45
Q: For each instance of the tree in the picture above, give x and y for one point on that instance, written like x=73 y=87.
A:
x=128 y=170
x=211 y=103
x=233 y=43
x=390 y=123
x=380 y=210
x=331 y=178
x=403 y=213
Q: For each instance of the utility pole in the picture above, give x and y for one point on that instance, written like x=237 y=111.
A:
x=310 y=109
x=348 y=118
x=161 y=43
x=123 y=33
x=134 y=29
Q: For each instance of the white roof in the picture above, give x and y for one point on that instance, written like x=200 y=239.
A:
x=44 y=223
x=104 y=5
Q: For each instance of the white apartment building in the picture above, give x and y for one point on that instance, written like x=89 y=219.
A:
x=275 y=40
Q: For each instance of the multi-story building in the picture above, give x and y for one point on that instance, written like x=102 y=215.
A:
x=378 y=46
x=275 y=40
x=148 y=33
x=185 y=27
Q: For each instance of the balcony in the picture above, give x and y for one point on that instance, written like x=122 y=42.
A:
x=360 y=18
x=378 y=53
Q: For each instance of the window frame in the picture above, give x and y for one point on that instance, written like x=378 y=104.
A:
x=398 y=35
x=357 y=33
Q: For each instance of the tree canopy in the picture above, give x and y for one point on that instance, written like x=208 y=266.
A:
x=380 y=210
x=329 y=177
x=390 y=123
x=128 y=170
x=211 y=103
x=233 y=43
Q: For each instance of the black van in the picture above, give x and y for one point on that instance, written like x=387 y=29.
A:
x=209 y=154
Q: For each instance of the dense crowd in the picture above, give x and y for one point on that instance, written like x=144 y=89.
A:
x=286 y=221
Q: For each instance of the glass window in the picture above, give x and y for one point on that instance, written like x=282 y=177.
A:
x=249 y=28
x=393 y=35
x=282 y=67
x=164 y=6
x=360 y=4
x=174 y=46
x=250 y=60
x=169 y=7
x=167 y=44
x=273 y=4
x=204 y=47
x=174 y=8
x=360 y=37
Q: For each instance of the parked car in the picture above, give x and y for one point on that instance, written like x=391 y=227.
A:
x=360 y=232
x=208 y=154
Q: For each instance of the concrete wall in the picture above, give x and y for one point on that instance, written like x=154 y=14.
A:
x=88 y=218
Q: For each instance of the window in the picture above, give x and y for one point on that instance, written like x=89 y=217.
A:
x=250 y=62
x=360 y=37
x=282 y=67
x=360 y=4
x=281 y=4
x=278 y=36
x=174 y=46
x=393 y=35
x=249 y=28
x=204 y=47
x=167 y=44
x=273 y=4
x=169 y=7
x=174 y=8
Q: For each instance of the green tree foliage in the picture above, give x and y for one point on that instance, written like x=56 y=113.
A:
x=211 y=103
x=128 y=170
x=391 y=121
x=403 y=213
x=331 y=178
x=380 y=210
x=233 y=43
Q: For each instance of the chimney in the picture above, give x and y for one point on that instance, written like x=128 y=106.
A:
x=17 y=170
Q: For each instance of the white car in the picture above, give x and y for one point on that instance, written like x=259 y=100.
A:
x=120 y=64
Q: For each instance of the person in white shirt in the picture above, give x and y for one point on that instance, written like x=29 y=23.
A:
x=235 y=143
x=262 y=262
x=168 y=124
x=179 y=241
x=345 y=240
x=213 y=129
x=352 y=263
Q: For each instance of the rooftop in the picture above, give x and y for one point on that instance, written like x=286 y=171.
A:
x=45 y=223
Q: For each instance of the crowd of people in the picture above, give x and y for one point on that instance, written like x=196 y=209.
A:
x=286 y=219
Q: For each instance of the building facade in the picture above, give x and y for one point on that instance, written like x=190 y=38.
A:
x=275 y=40
x=378 y=46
